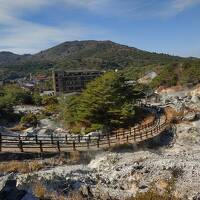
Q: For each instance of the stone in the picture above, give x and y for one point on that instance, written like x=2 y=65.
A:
x=195 y=99
x=10 y=192
x=190 y=116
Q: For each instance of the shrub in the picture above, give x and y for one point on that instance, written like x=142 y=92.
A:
x=49 y=100
x=40 y=191
x=29 y=120
x=37 y=99
x=107 y=102
x=153 y=194
x=20 y=166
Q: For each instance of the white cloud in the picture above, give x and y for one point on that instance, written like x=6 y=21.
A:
x=175 y=7
x=134 y=8
x=29 y=37
x=22 y=36
x=181 y=5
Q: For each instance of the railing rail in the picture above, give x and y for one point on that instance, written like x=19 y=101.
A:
x=83 y=143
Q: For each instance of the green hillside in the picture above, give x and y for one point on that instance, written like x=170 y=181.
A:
x=80 y=55
x=103 y=55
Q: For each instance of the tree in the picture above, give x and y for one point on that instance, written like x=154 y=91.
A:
x=17 y=95
x=13 y=95
x=29 y=120
x=107 y=102
x=49 y=100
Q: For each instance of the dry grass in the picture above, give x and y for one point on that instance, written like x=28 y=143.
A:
x=75 y=156
x=148 y=119
x=28 y=166
x=20 y=166
x=40 y=191
x=171 y=114
x=168 y=192
x=17 y=128
x=74 y=196
x=154 y=195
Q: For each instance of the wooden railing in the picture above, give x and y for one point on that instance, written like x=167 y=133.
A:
x=52 y=143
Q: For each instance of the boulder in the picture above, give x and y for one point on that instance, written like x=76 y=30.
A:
x=30 y=132
x=190 y=116
x=195 y=99
x=10 y=192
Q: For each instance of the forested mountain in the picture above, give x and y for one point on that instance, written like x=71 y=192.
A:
x=81 y=55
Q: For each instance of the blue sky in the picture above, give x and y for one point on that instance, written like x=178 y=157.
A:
x=166 y=26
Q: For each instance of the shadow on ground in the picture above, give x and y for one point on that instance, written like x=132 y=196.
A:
x=164 y=140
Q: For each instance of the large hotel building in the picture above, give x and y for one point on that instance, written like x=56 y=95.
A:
x=72 y=81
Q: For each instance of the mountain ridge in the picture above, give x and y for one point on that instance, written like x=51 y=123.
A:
x=86 y=54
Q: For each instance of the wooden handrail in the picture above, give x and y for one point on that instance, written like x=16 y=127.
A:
x=65 y=143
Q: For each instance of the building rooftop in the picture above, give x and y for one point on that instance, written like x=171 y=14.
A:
x=88 y=70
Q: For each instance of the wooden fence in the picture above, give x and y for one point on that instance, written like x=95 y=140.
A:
x=52 y=143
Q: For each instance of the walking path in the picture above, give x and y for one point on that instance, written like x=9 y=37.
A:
x=52 y=143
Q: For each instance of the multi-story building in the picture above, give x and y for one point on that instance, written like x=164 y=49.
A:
x=72 y=81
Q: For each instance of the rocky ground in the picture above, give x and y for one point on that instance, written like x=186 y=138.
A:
x=119 y=175
x=123 y=172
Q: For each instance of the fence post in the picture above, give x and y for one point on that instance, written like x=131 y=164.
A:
x=141 y=136
x=66 y=139
x=146 y=134
x=41 y=149
x=36 y=139
x=89 y=138
x=108 y=137
x=51 y=138
x=58 y=145
x=0 y=142
x=97 y=143
x=88 y=143
x=20 y=144
x=127 y=138
x=99 y=136
x=79 y=138
x=74 y=145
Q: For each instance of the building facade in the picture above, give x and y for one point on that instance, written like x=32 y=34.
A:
x=72 y=81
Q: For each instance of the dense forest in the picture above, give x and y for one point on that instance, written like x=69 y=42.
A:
x=102 y=55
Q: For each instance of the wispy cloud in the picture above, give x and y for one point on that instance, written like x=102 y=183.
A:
x=181 y=5
x=20 y=35
x=134 y=8
x=29 y=37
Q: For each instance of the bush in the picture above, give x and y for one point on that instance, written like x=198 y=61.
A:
x=49 y=100
x=40 y=191
x=186 y=73
x=167 y=77
x=106 y=102
x=37 y=99
x=29 y=120
x=153 y=194
x=20 y=166
x=13 y=95
x=17 y=95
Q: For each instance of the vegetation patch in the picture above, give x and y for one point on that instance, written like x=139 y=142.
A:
x=108 y=102
x=21 y=167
